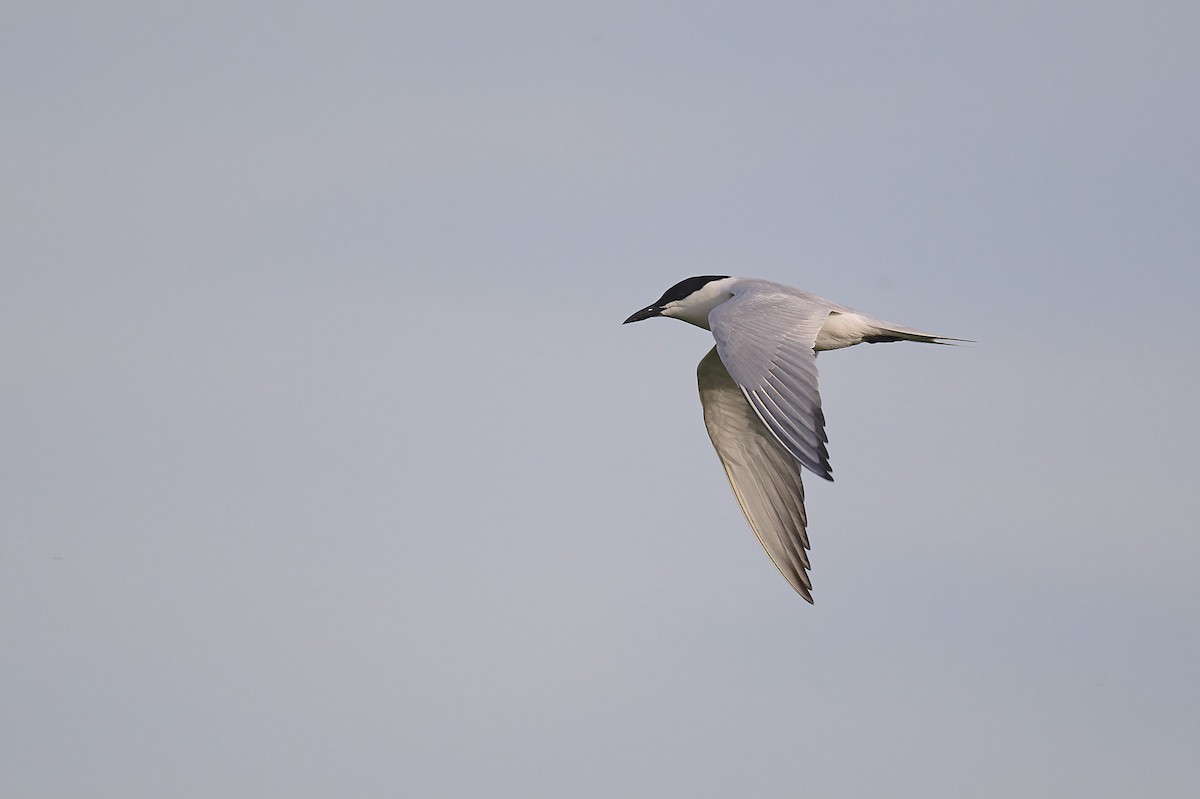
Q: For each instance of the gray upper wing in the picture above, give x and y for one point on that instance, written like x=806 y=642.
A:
x=765 y=339
x=764 y=475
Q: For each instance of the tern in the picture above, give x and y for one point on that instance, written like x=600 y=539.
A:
x=758 y=389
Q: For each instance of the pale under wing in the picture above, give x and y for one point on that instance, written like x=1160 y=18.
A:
x=764 y=475
x=765 y=339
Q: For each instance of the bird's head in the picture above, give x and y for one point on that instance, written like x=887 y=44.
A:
x=690 y=300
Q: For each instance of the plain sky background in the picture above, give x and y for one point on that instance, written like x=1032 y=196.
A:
x=329 y=469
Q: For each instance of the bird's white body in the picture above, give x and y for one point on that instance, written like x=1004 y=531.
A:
x=845 y=329
x=842 y=326
x=758 y=388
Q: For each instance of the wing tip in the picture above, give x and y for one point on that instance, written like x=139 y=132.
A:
x=799 y=580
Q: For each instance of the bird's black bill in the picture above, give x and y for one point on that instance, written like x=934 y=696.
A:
x=645 y=313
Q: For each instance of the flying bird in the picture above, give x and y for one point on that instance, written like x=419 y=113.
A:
x=758 y=388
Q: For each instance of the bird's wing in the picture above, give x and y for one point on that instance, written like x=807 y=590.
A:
x=765 y=339
x=764 y=475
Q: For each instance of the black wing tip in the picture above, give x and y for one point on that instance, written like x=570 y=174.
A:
x=822 y=470
x=801 y=582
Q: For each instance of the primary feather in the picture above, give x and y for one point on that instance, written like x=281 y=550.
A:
x=764 y=476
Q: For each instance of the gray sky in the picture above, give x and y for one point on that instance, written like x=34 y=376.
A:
x=331 y=471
